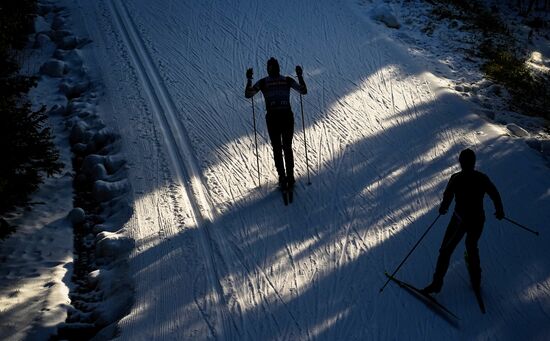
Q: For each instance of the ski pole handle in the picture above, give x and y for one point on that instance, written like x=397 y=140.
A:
x=410 y=252
x=523 y=227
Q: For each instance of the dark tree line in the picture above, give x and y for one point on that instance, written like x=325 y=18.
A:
x=27 y=152
x=525 y=7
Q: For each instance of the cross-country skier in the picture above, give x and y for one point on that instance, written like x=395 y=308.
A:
x=468 y=188
x=279 y=117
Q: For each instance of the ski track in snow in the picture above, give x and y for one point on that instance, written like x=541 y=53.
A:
x=179 y=148
x=219 y=258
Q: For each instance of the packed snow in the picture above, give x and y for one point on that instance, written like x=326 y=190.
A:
x=187 y=245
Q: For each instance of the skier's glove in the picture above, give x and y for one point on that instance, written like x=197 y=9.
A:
x=499 y=215
x=299 y=71
x=249 y=73
x=442 y=211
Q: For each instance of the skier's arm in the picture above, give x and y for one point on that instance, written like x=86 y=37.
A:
x=448 y=196
x=495 y=197
x=301 y=85
x=250 y=89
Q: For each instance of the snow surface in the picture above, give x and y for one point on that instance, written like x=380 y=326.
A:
x=449 y=47
x=217 y=257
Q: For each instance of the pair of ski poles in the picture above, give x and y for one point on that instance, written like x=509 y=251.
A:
x=256 y=140
x=426 y=232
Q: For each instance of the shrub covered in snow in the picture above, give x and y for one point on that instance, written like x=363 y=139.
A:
x=54 y=68
x=41 y=25
x=104 y=190
x=111 y=245
x=384 y=14
x=517 y=130
x=77 y=216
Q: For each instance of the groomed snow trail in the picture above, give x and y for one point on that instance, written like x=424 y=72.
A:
x=186 y=173
x=219 y=258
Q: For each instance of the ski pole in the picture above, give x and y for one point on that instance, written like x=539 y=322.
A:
x=414 y=247
x=523 y=227
x=305 y=142
x=256 y=141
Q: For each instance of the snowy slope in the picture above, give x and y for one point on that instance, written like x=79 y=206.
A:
x=219 y=258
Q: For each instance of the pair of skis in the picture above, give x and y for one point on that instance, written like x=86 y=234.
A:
x=432 y=303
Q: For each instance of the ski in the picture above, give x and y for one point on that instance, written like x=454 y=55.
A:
x=290 y=193
x=477 y=292
x=284 y=191
x=431 y=302
x=479 y=299
x=285 y=196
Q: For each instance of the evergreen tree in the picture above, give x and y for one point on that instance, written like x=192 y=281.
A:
x=28 y=152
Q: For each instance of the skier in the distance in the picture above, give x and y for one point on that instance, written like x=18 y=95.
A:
x=468 y=188
x=279 y=116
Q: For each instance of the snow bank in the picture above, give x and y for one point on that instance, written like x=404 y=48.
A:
x=77 y=216
x=517 y=130
x=111 y=245
x=56 y=109
x=103 y=294
x=42 y=40
x=58 y=22
x=41 y=25
x=53 y=68
x=384 y=14
x=74 y=87
x=105 y=191
x=58 y=35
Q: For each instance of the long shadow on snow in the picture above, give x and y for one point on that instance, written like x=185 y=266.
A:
x=265 y=251
x=271 y=251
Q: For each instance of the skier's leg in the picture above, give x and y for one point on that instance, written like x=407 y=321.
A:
x=287 y=134
x=274 y=131
x=452 y=237
x=472 y=237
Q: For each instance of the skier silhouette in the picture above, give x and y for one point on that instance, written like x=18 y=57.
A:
x=279 y=116
x=468 y=187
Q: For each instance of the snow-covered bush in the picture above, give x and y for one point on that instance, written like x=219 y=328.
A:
x=517 y=130
x=77 y=216
x=53 y=68
x=105 y=190
x=111 y=245
x=384 y=14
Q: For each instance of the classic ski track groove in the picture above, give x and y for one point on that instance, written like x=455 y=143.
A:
x=181 y=153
